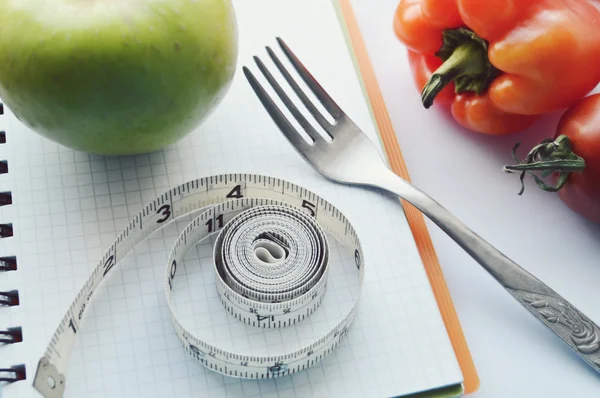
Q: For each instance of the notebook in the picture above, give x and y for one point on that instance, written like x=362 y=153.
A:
x=64 y=208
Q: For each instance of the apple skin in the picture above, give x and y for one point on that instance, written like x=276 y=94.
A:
x=116 y=77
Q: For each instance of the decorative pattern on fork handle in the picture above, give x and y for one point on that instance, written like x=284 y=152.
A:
x=576 y=330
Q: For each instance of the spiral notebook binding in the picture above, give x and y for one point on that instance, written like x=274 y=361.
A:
x=6 y=230
x=9 y=298
x=8 y=263
x=5 y=198
x=11 y=335
x=12 y=374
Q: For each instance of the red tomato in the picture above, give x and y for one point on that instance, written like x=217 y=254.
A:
x=581 y=123
x=576 y=145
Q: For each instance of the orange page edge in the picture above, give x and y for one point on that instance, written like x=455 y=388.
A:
x=415 y=218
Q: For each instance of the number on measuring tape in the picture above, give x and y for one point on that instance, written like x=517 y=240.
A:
x=312 y=208
x=278 y=367
x=260 y=318
x=218 y=222
x=165 y=211
x=109 y=263
x=236 y=192
x=172 y=273
x=196 y=351
x=72 y=325
x=270 y=263
x=81 y=311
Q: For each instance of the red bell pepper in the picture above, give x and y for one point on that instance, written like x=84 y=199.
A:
x=501 y=63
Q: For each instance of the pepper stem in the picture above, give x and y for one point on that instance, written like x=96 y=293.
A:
x=465 y=63
x=548 y=157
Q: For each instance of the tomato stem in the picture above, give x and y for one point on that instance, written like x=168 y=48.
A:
x=548 y=157
x=466 y=64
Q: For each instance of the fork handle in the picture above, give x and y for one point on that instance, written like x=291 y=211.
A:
x=567 y=322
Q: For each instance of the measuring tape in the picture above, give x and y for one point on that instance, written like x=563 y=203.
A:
x=271 y=261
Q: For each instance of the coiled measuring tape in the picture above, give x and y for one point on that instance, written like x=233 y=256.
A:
x=271 y=263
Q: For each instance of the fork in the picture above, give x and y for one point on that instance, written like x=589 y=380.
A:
x=350 y=157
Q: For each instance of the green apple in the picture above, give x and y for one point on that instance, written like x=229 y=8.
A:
x=116 y=77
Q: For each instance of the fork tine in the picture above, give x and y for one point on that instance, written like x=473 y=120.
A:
x=308 y=128
x=305 y=100
x=314 y=85
x=278 y=117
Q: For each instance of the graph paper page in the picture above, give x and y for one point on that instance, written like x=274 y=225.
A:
x=69 y=206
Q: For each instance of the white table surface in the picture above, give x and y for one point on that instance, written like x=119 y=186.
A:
x=515 y=355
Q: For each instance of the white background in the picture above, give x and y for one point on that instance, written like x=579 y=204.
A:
x=514 y=354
